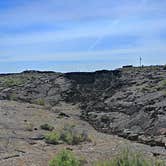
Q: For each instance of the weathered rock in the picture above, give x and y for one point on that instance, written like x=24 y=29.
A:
x=112 y=101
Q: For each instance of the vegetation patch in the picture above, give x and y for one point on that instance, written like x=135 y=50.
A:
x=126 y=158
x=162 y=84
x=52 y=138
x=73 y=136
x=130 y=159
x=11 y=81
x=65 y=158
x=47 y=127
x=149 y=89
x=40 y=102
x=69 y=134
x=29 y=126
x=13 y=96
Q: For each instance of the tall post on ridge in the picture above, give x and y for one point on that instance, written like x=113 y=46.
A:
x=140 y=61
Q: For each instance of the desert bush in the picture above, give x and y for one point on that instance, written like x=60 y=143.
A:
x=47 y=127
x=12 y=81
x=73 y=136
x=13 y=96
x=130 y=159
x=29 y=126
x=40 y=102
x=161 y=85
x=52 y=138
x=68 y=134
x=65 y=158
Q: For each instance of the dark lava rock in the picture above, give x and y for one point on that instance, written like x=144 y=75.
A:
x=130 y=102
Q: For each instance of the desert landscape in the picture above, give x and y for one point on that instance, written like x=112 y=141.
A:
x=106 y=112
x=82 y=83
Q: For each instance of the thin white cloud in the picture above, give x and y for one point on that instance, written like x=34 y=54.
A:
x=144 y=50
x=144 y=19
x=51 y=11
x=102 y=29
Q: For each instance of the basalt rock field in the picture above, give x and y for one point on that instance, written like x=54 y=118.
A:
x=129 y=102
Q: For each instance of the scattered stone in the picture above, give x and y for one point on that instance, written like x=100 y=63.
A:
x=63 y=115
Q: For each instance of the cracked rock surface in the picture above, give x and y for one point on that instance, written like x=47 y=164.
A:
x=128 y=102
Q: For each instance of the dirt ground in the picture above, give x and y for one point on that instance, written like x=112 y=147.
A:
x=21 y=142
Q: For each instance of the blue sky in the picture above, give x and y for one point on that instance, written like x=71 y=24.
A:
x=81 y=35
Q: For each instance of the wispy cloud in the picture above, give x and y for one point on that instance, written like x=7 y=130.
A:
x=80 y=30
x=46 y=11
x=98 y=30
x=150 y=50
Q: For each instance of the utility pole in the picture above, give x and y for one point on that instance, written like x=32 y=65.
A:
x=140 y=61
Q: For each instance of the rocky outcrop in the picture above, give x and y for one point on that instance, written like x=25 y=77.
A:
x=129 y=102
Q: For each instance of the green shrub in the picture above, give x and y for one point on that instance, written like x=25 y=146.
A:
x=72 y=136
x=13 y=96
x=69 y=134
x=29 y=126
x=47 y=127
x=52 y=138
x=130 y=159
x=12 y=81
x=65 y=158
x=66 y=137
x=40 y=102
x=162 y=85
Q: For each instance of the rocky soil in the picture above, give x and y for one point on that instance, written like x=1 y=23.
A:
x=127 y=102
x=21 y=145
